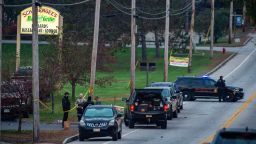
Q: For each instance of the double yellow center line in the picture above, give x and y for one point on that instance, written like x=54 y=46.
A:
x=232 y=119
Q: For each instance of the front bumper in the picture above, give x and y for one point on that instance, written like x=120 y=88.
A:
x=89 y=132
x=239 y=95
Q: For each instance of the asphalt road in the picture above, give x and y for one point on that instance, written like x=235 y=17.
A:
x=202 y=118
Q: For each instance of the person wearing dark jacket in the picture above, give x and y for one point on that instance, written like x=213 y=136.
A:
x=65 y=107
x=221 y=88
x=88 y=102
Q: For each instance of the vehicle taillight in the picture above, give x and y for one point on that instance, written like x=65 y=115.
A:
x=132 y=108
x=166 y=107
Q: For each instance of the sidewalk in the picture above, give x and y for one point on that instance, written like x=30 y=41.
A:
x=28 y=125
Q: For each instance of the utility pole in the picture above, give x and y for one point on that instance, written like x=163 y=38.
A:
x=244 y=15
x=35 y=74
x=1 y=37
x=166 y=40
x=212 y=30
x=230 y=22
x=133 y=45
x=191 y=36
x=18 y=42
x=95 y=47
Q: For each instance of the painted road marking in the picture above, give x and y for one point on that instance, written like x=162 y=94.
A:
x=122 y=136
x=240 y=64
x=233 y=117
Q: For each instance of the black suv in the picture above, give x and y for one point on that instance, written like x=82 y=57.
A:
x=174 y=90
x=99 y=121
x=147 y=106
x=205 y=87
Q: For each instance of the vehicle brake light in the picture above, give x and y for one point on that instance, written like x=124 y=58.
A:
x=166 y=107
x=132 y=108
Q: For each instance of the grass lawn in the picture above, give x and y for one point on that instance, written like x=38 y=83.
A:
x=113 y=93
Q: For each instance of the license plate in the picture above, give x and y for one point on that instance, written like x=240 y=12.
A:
x=6 y=110
x=148 y=116
x=96 y=130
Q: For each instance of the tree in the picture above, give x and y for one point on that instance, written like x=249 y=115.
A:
x=76 y=60
x=51 y=74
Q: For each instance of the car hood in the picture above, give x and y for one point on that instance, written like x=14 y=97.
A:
x=98 y=119
x=235 y=88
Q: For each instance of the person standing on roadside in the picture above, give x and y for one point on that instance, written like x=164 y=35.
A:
x=88 y=102
x=80 y=104
x=221 y=88
x=65 y=107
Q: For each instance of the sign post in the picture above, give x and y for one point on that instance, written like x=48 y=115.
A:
x=18 y=44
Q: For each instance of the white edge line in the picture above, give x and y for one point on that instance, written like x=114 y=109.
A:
x=240 y=64
x=122 y=136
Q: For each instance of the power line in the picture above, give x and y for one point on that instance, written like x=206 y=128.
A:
x=19 y=5
x=120 y=5
x=118 y=8
x=151 y=18
x=66 y=4
x=51 y=4
x=153 y=14
x=185 y=7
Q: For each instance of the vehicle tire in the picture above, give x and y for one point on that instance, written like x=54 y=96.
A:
x=115 y=136
x=170 y=115
x=126 y=121
x=120 y=134
x=175 y=114
x=181 y=107
x=164 y=125
x=178 y=109
x=186 y=96
x=131 y=124
x=81 y=138
x=234 y=99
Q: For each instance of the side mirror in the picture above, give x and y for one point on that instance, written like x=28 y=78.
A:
x=119 y=115
x=174 y=97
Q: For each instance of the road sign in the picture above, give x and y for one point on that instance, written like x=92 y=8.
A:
x=48 y=21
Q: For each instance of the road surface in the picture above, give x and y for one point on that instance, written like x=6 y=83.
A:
x=202 y=118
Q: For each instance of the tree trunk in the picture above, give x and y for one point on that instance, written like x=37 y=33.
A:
x=52 y=96
x=143 y=47
x=73 y=90
x=157 y=45
x=20 y=119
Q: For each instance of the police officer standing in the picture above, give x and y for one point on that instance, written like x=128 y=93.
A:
x=221 y=88
x=65 y=107
x=88 y=102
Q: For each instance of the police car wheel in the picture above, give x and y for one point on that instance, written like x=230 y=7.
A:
x=187 y=96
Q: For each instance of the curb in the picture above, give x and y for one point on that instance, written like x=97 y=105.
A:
x=70 y=139
x=245 y=43
x=221 y=64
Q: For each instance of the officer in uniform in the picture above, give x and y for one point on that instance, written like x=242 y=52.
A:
x=221 y=88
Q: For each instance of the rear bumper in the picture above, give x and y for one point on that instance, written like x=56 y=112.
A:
x=88 y=132
x=148 y=117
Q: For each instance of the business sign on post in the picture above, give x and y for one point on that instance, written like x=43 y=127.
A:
x=48 y=21
x=179 y=61
x=238 y=21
